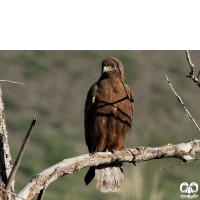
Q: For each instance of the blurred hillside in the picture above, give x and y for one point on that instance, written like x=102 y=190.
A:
x=60 y=81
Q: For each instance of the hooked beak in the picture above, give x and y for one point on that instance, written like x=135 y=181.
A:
x=107 y=68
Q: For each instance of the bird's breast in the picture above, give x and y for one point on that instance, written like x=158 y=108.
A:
x=110 y=91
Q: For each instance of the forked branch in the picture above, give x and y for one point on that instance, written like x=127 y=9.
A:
x=192 y=71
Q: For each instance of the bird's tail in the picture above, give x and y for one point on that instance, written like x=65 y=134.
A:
x=109 y=179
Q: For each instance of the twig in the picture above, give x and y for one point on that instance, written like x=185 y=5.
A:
x=21 y=152
x=192 y=76
x=15 y=82
x=182 y=163
x=190 y=62
x=180 y=100
x=11 y=193
x=173 y=165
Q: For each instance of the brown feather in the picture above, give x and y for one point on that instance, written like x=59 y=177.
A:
x=108 y=117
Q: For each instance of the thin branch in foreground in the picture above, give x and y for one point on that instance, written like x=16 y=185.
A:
x=11 y=193
x=21 y=152
x=15 y=82
x=180 y=100
x=185 y=151
x=192 y=76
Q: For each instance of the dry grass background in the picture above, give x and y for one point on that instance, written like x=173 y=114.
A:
x=60 y=81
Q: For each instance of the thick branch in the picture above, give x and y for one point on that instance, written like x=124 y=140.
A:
x=185 y=151
x=5 y=157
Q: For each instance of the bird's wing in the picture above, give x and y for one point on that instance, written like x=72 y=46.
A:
x=130 y=95
x=90 y=100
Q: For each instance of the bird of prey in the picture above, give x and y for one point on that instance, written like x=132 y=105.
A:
x=108 y=117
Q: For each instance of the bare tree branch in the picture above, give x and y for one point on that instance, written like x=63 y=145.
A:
x=14 y=82
x=185 y=151
x=5 y=157
x=21 y=152
x=178 y=164
x=11 y=193
x=180 y=100
x=192 y=76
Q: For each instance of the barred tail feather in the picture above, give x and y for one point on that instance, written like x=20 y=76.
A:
x=109 y=179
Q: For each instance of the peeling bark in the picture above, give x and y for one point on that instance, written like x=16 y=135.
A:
x=184 y=151
x=5 y=157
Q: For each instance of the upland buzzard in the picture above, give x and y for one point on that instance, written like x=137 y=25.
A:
x=108 y=117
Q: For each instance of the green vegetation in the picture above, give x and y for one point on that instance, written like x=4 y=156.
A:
x=60 y=81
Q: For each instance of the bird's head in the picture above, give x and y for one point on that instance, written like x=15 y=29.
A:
x=112 y=67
